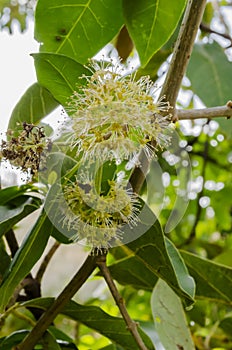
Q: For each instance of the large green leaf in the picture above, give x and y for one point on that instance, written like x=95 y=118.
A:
x=154 y=256
x=78 y=29
x=10 y=193
x=151 y=23
x=12 y=213
x=210 y=74
x=94 y=317
x=25 y=258
x=169 y=318
x=213 y=281
x=59 y=74
x=35 y=104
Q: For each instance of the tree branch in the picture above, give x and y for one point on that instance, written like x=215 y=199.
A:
x=46 y=261
x=49 y=315
x=213 y=112
x=182 y=50
x=131 y=325
x=207 y=29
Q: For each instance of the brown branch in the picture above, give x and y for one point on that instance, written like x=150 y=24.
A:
x=46 y=261
x=182 y=50
x=50 y=314
x=207 y=29
x=131 y=325
x=213 y=112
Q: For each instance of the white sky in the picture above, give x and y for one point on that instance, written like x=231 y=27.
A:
x=17 y=71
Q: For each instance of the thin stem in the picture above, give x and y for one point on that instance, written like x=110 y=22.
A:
x=46 y=261
x=213 y=112
x=50 y=314
x=131 y=325
x=207 y=29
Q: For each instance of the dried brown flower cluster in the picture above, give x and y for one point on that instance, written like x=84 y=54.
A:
x=27 y=150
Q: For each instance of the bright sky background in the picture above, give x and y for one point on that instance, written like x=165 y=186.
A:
x=17 y=71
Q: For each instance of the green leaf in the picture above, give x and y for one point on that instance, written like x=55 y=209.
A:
x=226 y=324
x=210 y=74
x=12 y=213
x=153 y=256
x=13 y=339
x=49 y=342
x=78 y=29
x=59 y=74
x=25 y=258
x=35 y=104
x=151 y=23
x=94 y=317
x=9 y=193
x=169 y=318
x=213 y=281
x=4 y=259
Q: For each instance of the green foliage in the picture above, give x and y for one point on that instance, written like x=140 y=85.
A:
x=170 y=322
x=151 y=24
x=59 y=74
x=153 y=257
x=210 y=74
x=112 y=327
x=77 y=29
x=34 y=105
x=159 y=275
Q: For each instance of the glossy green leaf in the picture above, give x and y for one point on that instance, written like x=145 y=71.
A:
x=12 y=213
x=213 y=281
x=169 y=318
x=36 y=103
x=25 y=258
x=154 y=256
x=13 y=339
x=59 y=74
x=151 y=23
x=49 y=342
x=10 y=193
x=78 y=29
x=209 y=71
x=130 y=271
x=94 y=317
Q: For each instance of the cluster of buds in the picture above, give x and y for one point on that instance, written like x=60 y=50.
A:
x=27 y=150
